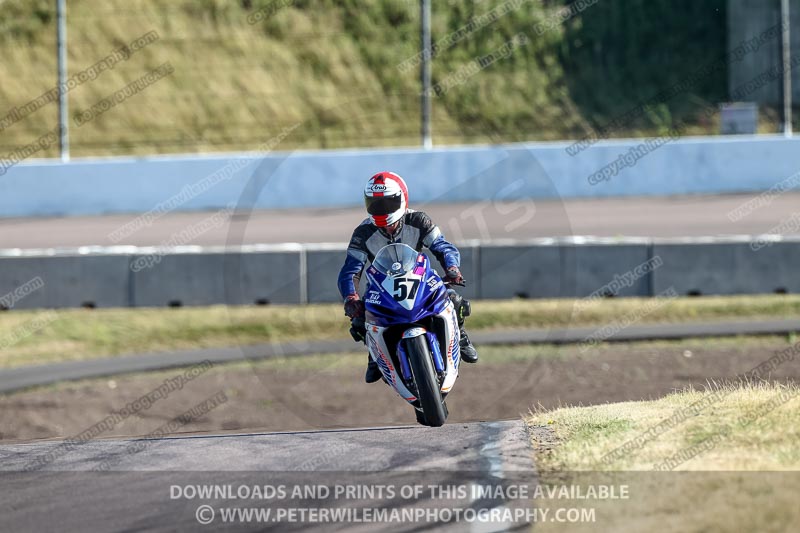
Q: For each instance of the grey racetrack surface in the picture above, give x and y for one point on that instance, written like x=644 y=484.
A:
x=136 y=494
x=687 y=216
x=367 y=449
x=24 y=377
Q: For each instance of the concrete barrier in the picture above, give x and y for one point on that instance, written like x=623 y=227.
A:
x=322 y=266
x=65 y=281
x=526 y=271
x=564 y=268
x=606 y=270
x=157 y=184
x=233 y=278
x=727 y=268
x=268 y=277
x=178 y=280
x=295 y=274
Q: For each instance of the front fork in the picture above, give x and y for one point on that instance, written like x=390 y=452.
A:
x=436 y=352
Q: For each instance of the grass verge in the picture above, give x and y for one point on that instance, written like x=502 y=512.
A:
x=731 y=428
x=72 y=334
x=731 y=466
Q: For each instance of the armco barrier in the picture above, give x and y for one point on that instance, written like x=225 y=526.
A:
x=294 y=273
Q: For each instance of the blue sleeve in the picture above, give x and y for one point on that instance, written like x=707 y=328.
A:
x=349 y=275
x=447 y=254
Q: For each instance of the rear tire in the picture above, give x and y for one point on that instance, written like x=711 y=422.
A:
x=428 y=392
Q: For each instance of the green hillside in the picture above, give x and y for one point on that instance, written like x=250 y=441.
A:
x=329 y=70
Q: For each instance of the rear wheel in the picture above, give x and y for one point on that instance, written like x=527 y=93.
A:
x=428 y=392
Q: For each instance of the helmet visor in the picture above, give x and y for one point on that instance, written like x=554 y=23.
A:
x=383 y=205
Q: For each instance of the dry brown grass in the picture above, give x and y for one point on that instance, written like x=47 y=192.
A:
x=746 y=481
x=742 y=431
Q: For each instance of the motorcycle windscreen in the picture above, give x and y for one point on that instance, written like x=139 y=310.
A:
x=395 y=259
x=402 y=282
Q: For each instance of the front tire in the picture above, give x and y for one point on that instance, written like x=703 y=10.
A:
x=428 y=392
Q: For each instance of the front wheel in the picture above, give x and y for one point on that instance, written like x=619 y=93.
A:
x=428 y=392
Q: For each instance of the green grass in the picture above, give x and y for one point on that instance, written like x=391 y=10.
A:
x=330 y=69
x=76 y=334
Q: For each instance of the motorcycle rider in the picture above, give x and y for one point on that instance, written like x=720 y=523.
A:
x=391 y=221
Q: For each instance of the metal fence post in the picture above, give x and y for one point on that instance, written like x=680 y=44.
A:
x=425 y=72
x=787 y=67
x=61 y=38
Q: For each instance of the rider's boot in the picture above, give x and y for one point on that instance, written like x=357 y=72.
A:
x=468 y=352
x=463 y=309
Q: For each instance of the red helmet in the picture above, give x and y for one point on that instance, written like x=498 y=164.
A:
x=386 y=198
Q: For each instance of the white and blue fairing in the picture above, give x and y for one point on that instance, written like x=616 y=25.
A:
x=404 y=291
x=402 y=287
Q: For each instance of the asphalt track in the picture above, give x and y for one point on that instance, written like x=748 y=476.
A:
x=685 y=216
x=66 y=493
x=31 y=376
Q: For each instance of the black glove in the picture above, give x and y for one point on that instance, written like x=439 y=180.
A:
x=358 y=330
x=353 y=306
x=454 y=277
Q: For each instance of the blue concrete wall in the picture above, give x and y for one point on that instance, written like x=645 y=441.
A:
x=335 y=178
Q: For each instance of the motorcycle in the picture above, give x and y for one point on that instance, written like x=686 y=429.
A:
x=412 y=330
